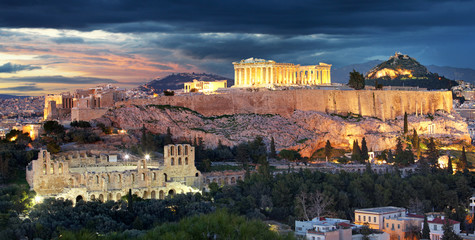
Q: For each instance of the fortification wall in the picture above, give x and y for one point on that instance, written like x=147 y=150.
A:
x=87 y=114
x=380 y=104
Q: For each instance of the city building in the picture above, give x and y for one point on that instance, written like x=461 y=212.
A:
x=435 y=226
x=255 y=72
x=375 y=217
x=324 y=229
x=403 y=227
x=204 y=86
x=110 y=175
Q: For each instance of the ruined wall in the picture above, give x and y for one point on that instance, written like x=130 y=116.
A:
x=87 y=114
x=380 y=104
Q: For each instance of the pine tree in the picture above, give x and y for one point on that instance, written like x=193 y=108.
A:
x=405 y=123
x=273 y=153
x=399 y=149
x=357 y=80
x=328 y=150
x=425 y=229
x=364 y=150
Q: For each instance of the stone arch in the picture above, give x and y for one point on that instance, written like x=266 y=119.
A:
x=97 y=179
x=44 y=169
x=186 y=149
x=221 y=181
x=109 y=197
x=179 y=150
x=79 y=198
x=108 y=178
x=44 y=156
x=161 y=194
x=154 y=176
x=118 y=196
x=51 y=169
x=226 y=180
x=166 y=177
x=92 y=197
x=214 y=180
x=186 y=160
x=197 y=174
x=153 y=194
x=119 y=178
x=172 y=162
x=101 y=197
x=239 y=178
x=145 y=195
x=172 y=150
x=171 y=192
x=179 y=161
x=137 y=194
x=143 y=176
x=60 y=168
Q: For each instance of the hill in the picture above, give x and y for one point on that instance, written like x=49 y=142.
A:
x=7 y=96
x=176 y=81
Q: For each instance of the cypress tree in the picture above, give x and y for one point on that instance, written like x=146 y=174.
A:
x=416 y=143
x=273 y=153
x=328 y=150
x=168 y=137
x=450 y=170
x=405 y=123
x=425 y=229
x=433 y=153
x=364 y=150
x=356 y=155
x=463 y=160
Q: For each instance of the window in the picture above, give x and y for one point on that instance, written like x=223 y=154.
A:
x=359 y=218
x=392 y=226
x=186 y=150
x=364 y=218
x=179 y=161
x=398 y=226
x=299 y=228
x=435 y=227
x=374 y=219
x=119 y=178
x=387 y=225
x=154 y=176
x=60 y=168
x=173 y=162
x=97 y=179
x=186 y=161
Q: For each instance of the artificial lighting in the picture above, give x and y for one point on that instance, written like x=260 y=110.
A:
x=147 y=157
x=126 y=156
x=38 y=199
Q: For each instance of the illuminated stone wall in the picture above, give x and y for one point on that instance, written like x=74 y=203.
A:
x=380 y=104
x=255 y=72
x=88 y=177
x=205 y=87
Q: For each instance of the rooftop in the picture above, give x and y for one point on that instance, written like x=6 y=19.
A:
x=381 y=210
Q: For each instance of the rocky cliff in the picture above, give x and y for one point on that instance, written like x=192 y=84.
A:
x=305 y=131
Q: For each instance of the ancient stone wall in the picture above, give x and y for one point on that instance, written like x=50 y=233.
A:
x=87 y=114
x=380 y=104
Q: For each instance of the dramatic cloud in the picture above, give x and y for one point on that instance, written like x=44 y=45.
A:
x=26 y=88
x=60 y=40
x=13 y=68
x=59 y=79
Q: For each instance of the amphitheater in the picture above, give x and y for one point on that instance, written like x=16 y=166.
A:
x=109 y=176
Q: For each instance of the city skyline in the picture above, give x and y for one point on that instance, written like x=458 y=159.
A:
x=58 y=46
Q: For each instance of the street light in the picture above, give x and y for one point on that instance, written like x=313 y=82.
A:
x=147 y=157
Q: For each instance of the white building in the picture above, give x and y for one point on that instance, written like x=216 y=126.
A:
x=374 y=217
x=435 y=226
x=324 y=229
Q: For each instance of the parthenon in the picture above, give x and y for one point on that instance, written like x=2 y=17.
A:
x=255 y=72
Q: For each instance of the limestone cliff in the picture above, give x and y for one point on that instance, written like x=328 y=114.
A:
x=305 y=131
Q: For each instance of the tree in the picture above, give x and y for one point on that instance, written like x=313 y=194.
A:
x=356 y=81
x=463 y=164
x=313 y=204
x=416 y=143
x=364 y=150
x=449 y=233
x=378 y=86
x=425 y=229
x=272 y=153
x=168 y=138
x=169 y=93
x=450 y=169
x=328 y=150
x=356 y=154
x=405 y=123
x=433 y=153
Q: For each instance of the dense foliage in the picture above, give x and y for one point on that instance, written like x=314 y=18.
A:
x=356 y=80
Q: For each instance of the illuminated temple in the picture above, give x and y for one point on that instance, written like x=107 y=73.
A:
x=255 y=72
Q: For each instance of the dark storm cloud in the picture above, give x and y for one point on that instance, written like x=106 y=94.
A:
x=59 y=79
x=26 y=88
x=61 y=40
x=271 y=17
x=13 y=68
x=162 y=67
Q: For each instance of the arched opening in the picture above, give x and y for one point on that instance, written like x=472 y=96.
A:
x=154 y=176
x=172 y=150
x=143 y=176
x=214 y=180
x=161 y=194
x=118 y=196
x=51 y=169
x=79 y=198
x=239 y=178
x=119 y=178
x=60 y=168
x=172 y=162
x=171 y=192
x=186 y=161
x=153 y=195
x=109 y=197
x=226 y=180
x=137 y=194
x=179 y=161
x=108 y=178
x=133 y=177
x=233 y=180
x=186 y=150
x=92 y=197
x=145 y=195
x=166 y=177
x=97 y=179
x=44 y=169
x=179 y=150
x=207 y=181
x=197 y=174
x=101 y=197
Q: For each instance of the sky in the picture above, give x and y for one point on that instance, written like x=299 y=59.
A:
x=56 y=46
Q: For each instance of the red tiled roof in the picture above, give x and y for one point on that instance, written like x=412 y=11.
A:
x=440 y=221
x=415 y=215
x=343 y=224
x=315 y=232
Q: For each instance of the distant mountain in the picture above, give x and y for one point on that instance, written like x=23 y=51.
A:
x=466 y=74
x=176 y=81
x=398 y=66
x=7 y=96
